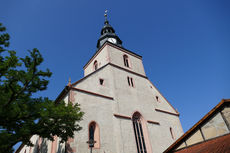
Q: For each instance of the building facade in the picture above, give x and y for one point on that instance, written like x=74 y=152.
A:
x=209 y=135
x=124 y=111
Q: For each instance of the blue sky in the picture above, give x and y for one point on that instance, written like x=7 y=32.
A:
x=185 y=44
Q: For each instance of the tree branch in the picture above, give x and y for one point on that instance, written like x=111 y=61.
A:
x=25 y=85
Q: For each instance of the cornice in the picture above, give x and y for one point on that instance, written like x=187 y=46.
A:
x=112 y=45
x=128 y=117
x=138 y=74
x=119 y=67
x=92 y=93
x=167 y=112
x=89 y=75
x=153 y=122
x=122 y=116
x=164 y=98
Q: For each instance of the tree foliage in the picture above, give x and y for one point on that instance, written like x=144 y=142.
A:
x=21 y=114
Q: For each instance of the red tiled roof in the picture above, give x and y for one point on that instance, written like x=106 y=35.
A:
x=217 y=145
x=179 y=141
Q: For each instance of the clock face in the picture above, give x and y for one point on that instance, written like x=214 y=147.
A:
x=112 y=40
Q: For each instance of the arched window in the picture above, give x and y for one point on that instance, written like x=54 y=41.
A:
x=94 y=134
x=171 y=131
x=126 y=60
x=138 y=131
x=95 y=65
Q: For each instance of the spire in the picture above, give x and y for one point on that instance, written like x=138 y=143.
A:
x=105 y=15
x=108 y=34
x=69 y=83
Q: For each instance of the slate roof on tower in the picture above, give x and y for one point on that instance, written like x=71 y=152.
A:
x=108 y=34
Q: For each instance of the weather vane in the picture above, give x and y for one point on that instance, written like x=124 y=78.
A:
x=106 y=11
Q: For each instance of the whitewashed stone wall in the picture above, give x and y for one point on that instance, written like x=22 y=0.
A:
x=116 y=133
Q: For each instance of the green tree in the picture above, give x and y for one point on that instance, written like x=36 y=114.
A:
x=21 y=114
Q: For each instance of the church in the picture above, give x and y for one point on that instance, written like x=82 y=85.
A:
x=124 y=111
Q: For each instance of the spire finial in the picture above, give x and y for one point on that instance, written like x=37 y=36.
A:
x=105 y=15
x=69 y=83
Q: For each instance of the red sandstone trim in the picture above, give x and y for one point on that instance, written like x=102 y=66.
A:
x=95 y=65
x=129 y=61
x=153 y=122
x=104 y=67
x=163 y=111
x=89 y=75
x=122 y=116
x=93 y=57
x=128 y=70
x=80 y=80
x=112 y=45
x=145 y=131
x=124 y=50
x=164 y=97
x=97 y=145
x=62 y=94
x=92 y=93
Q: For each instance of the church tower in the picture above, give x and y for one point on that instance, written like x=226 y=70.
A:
x=124 y=111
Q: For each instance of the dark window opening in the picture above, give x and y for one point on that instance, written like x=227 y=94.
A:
x=157 y=98
x=92 y=131
x=95 y=65
x=130 y=81
x=101 y=81
x=126 y=60
x=171 y=131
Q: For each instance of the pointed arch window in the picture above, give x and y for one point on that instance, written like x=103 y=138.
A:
x=126 y=61
x=139 y=135
x=95 y=65
x=94 y=134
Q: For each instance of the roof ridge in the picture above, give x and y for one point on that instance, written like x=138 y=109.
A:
x=194 y=127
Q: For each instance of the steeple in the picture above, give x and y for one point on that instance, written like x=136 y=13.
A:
x=108 y=34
